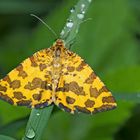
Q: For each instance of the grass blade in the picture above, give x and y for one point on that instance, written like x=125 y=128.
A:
x=39 y=117
x=37 y=123
x=2 y=137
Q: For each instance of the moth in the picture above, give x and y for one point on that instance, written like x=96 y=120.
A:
x=57 y=76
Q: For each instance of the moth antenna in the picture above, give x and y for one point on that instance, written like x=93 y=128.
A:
x=54 y=33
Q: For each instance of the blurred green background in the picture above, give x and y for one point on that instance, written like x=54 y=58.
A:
x=109 y=43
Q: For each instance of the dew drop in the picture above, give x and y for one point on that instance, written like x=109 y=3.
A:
x=72 y=10
x=83 y=12
x=62 y=32
x=38 y=114
x=69 y=24
x=89 y=1
x=30 y=133
x=83 y=5
x=80 y=16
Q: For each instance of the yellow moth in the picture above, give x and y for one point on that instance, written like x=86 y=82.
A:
x=56 y=76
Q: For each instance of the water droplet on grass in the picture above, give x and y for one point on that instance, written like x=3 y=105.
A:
x=83 y=12
x=69 y=24
x=89 y=1
x=72 y=10
x=80 y=16
x=30 y=133
x=37 y=114
x=62 y=32
x=83 y=5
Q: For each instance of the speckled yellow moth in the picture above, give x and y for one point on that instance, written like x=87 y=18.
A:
x=56 y=76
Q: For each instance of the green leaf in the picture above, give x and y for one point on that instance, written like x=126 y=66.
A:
x=124 y=80
x=2 y=137
x=13 y=111
x=18 y=126
x=39 y=117
x=37 y=122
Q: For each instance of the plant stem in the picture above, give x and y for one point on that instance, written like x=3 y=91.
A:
x=39 y=117
x=37 y=123
x=72 y=25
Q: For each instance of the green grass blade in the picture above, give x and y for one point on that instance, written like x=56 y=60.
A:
x=74 y=21
x=2 y=137
x=37 y=123
x=39 y=117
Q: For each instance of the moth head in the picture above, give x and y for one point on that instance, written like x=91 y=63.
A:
x=59 y=42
